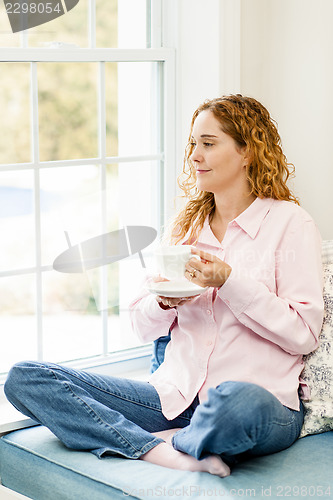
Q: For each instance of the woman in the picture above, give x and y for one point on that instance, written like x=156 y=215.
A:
x=229 y=386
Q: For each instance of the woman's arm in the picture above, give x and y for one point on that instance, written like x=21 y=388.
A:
x=292 y=316
x=149 y=320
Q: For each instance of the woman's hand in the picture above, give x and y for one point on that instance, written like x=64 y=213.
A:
x=209 y=271
x=169 y=302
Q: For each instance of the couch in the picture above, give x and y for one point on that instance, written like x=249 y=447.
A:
x=35 y=463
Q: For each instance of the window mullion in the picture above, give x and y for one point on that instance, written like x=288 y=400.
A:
x=90 y=161
x=92 y=24
x=83 y=55
x=154 y=23
x=161 y=100
x=102 y=155
x=169 y=137
x=38 y=252
x=24 y=38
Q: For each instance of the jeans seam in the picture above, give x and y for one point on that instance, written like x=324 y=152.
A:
x=258 y=428
x=100 y=421
x=118 y=395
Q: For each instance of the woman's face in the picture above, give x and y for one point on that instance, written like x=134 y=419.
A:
x=218 y=160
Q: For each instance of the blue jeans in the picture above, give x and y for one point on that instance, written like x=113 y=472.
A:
x=110 y=415
x=159 y=347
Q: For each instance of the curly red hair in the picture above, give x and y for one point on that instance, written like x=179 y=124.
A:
x=249 y=123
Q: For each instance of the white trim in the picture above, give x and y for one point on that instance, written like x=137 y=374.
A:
x=38 y=250
x=92 y=23
x=156 y=24
x=102 y=154
x=170 y=15
x=160 y=55
x=85 y=161
x=170 y=164
x=28 y=270
x=84 y=55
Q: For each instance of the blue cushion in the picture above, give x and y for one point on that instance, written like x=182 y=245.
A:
x=35 y=463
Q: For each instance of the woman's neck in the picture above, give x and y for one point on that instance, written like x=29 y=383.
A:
x=228 y=208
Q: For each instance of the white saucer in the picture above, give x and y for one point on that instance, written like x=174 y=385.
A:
x=176 y=289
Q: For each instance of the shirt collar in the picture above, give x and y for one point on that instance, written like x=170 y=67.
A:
x=250 y=220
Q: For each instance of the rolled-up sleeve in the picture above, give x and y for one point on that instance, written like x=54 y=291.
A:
x=292 y=315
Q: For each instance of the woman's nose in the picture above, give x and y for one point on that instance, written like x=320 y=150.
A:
x=196 y=155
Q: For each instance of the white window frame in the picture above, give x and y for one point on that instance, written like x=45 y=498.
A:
x=165 y=57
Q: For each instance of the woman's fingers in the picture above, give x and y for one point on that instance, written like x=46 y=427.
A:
x=172 y=301
x=208 y=257
x=213 y=272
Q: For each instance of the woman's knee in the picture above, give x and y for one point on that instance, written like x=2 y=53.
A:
x=19 y=375
x=241 y=401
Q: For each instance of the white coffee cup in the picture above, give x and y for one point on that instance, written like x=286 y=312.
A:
x=171 y=260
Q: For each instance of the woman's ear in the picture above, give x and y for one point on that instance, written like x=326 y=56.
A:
x=247 y=156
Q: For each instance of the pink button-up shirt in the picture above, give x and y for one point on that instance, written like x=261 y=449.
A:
x=258 y=325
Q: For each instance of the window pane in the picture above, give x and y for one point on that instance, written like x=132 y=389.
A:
x=121 y=23
x=7 y=37
x=17 y=226
x=71 y=323
x=131 y=200
x=143 y=210
x=104 y=279
x=70 y=207
x=131 y=193
x=121 y=335
x=67 y=93
x=107 y=23
x=111 y=102
x=70 y=28
x=17 y=320
x=137 y=120
x=15 y=113
x=72 y=326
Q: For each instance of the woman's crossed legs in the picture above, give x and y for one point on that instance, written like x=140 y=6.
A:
x=110 y=415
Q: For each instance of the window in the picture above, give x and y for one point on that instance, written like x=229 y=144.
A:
x=87 y=104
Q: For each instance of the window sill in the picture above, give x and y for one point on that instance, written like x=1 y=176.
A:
x=11 y=419
x=135 y=368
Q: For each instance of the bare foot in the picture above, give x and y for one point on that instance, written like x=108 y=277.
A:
x=165 y=455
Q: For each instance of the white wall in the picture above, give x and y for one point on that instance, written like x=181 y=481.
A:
x=287 y=63
x=194 y=29
x=278 y=51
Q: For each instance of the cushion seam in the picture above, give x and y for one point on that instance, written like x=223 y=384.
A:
x=58 y=464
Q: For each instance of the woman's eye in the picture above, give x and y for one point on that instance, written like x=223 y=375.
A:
x=193 y=144
x=208 y=144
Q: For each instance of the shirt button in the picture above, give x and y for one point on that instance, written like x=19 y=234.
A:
x=209 y=311
x=210 y=342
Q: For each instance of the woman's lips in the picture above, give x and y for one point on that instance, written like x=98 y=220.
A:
x=199 y=172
